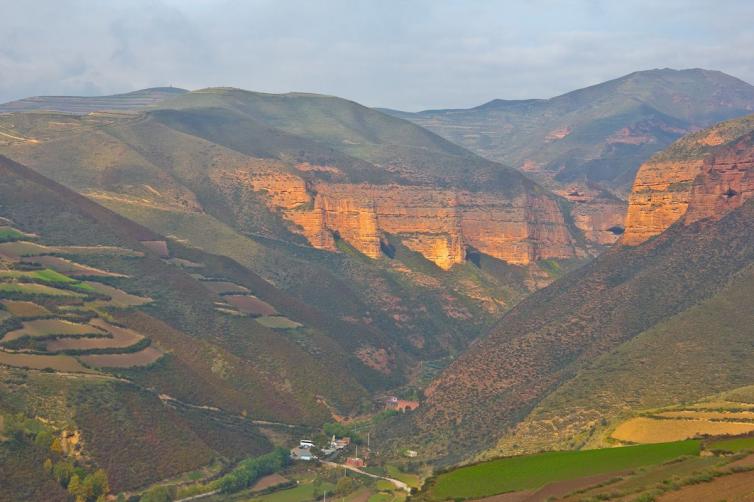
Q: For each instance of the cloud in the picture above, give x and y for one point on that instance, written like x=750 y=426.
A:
x=402 y=54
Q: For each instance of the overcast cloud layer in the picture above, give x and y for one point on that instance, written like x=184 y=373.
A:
x=411 y=54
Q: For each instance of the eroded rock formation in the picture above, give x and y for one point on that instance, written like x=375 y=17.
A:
x=438 y=223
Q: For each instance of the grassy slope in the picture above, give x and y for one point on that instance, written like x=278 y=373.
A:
x=545 y=340
x=676 y=361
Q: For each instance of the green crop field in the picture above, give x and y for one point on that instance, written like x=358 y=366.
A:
x=733 y=445
x=35 y=289
x=533 y=471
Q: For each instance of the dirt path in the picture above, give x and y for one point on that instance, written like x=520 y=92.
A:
x=397 y=483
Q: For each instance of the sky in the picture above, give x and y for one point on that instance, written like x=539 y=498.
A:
x=410 y=54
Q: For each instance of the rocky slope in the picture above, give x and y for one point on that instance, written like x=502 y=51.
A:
x=557 y=333
x=701 y=175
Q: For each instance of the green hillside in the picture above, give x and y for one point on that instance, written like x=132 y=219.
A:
x=82 y=105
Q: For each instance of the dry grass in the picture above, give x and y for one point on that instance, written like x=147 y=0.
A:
x=144 y=357
x=649 y=430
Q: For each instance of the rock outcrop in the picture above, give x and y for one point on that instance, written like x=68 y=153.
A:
x=659 y=198
x=703 y=175
x=438 y=223
x=725 y=183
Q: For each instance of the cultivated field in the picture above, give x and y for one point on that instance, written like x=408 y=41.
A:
x=651 y=430
x=278 y=322
x=143 y=357
x=224 y=287
x=118 y=297
x=250 y=305
x=51 y=327
x=533 y=471
x=25 y=309
x=40 y=362
x=119 y=338
x=29 y=289
x=69 y=267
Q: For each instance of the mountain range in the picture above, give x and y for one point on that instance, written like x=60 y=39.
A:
x=188 y=278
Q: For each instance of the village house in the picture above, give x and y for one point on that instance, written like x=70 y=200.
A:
x=395 y=404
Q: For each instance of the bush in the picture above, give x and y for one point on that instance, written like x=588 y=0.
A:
x=251 y=469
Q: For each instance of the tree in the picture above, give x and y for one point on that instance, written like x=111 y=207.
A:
x=74 y=486
x=43 y=439
x=62 y=471
x=159 y=494
x=99 y=482
x=47 y=466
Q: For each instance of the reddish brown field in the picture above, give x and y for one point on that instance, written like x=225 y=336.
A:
x=250 y=305
x=268 y=481
x=51 y=327
x=40 y=362
x=738 y=487
x=121 y=338
x=142 y=358
x=25 y=309
x=118 y=298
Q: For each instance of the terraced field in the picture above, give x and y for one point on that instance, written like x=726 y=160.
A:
x=61 y=317
x=724 y=415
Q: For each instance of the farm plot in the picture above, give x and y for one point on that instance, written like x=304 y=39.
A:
x=143 y=357
x=30 y=289
x=159 y=247
x=736 y=416
x=18 y=249
x=224 y=287
x=120 y=338
x=41 y=328
x=250 y=305
x=534 y=471
x=646 y=430
x=41 y=362
x=69 y=267
x=118 y=297
x=733 y=445
x=24 y=309
x=97 y=251
x=278 y=322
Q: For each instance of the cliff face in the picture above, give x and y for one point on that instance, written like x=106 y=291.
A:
x=725 y=183
x=702 y=175
x=437 y=223
x=659 y=198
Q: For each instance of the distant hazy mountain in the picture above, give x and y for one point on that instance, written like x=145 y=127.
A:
x=88 y=104
x=596 y=135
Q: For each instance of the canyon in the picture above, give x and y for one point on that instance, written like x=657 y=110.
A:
x=437 y=223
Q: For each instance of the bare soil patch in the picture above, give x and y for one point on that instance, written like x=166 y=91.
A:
x=250 y=305
x=648 y=430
